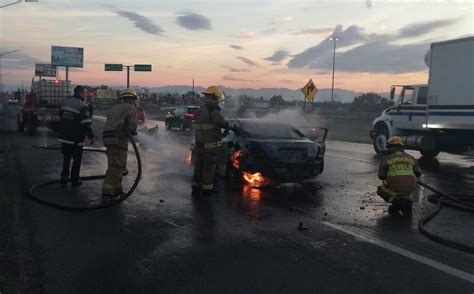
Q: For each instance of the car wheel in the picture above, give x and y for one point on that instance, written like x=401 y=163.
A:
x=380 y=141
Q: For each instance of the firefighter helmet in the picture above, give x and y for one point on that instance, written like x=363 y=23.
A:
x=128 y=93
x=213 y=90
x=395 y=141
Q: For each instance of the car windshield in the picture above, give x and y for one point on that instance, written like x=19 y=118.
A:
x=271 y=130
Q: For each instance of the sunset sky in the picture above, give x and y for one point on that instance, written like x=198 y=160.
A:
x=239 y=44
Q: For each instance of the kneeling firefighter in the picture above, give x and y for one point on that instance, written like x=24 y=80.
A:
x=120 y=117
x=398 y=171
x=208 y=122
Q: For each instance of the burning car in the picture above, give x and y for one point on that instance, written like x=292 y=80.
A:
x=270 y=153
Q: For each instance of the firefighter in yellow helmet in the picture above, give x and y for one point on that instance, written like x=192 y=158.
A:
x=208 y=122
x=120 y=117
x=398 y=171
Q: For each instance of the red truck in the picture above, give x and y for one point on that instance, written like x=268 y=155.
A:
x=42 y=105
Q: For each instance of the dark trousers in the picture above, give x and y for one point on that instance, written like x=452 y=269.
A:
x=205 y=163
x=73 y=152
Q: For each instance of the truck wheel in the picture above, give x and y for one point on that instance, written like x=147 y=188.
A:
x=380 y=141
x=19 y=126
x=430 y=153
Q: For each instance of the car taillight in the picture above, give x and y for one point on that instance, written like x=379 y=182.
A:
x=189 y=115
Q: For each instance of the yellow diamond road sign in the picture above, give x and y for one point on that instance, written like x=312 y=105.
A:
x=310 y=91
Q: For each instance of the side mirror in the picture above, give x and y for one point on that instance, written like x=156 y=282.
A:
x=230 y=145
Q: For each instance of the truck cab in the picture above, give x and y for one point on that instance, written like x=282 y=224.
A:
x=407 y=115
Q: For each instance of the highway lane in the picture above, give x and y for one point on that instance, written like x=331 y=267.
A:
x=164 y=240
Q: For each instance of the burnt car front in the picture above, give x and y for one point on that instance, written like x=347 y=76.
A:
x=275 y=152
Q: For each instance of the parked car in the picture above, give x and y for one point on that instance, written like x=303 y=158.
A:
x=181 y=117
x=270 y=153
x=13 y=100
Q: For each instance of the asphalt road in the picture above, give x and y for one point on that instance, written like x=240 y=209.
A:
x=164 y=240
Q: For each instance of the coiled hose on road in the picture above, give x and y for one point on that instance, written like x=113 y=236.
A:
x=31 y=191
x=456 y=201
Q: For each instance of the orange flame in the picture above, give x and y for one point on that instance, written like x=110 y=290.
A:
x=235 y=158
x=190 y=157
x=256 y=179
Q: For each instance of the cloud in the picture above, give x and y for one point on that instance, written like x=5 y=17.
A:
x=143 y=23
x=236 y=47
x=233 y=69
x=353 y=35
x=19 y=60
x=233 y=79
x=374 y=53
x=249 y=61
x=193 y=21
x=278 y=56
x=282 y=19
x=318 y=31
x=247 y=35
x=423 y=28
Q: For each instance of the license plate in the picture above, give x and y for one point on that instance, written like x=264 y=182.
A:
x=292 y=155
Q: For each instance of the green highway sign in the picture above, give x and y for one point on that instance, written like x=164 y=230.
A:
x=113 y=67
x=142 y=67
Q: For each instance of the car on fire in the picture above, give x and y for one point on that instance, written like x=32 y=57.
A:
x=271 y=153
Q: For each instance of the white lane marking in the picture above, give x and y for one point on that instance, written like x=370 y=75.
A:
x=421 y=259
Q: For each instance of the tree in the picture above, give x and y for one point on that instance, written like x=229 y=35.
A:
x=370 y=102
x=277 y=99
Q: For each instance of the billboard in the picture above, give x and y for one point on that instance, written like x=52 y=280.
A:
x=67 y=56
x=45 y=70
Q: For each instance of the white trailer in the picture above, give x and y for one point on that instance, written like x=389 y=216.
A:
x=438 y=116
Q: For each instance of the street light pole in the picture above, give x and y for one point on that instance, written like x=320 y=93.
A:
x=1 y=69
x=19 y=1
x=333 y=66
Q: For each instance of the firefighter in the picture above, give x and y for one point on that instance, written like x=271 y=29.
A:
x=75 y=125
x=208 y=139
x=398 y=171
x=120 y=117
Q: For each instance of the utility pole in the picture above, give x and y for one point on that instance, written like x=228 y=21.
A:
x=333 y=66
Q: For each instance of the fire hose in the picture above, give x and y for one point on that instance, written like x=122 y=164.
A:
x=112 y=202
x=456 y=201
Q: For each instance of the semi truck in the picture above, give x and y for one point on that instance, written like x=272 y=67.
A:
x=42 y=105
x=438 y=116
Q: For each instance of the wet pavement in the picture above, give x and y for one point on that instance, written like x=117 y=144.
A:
x=164 y=240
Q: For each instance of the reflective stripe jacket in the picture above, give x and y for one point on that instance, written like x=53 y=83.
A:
x=114 y=128
x=208 y=122
x=399 y=171
x=75 y=122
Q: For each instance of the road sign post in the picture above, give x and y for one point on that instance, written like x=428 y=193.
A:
x=119 y=67
x=309 y=91
x=114 y=67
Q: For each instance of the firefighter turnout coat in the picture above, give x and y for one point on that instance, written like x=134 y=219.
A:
x=399 y=171
x=75 y=122
x=208 y=122
x=120 y=117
